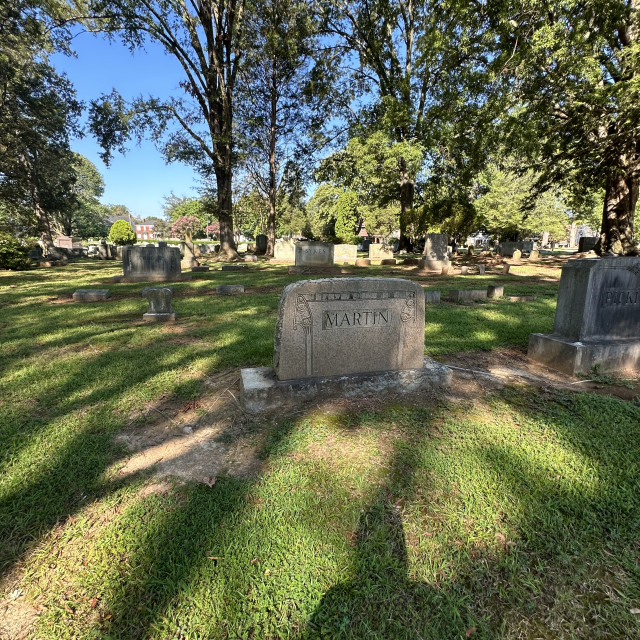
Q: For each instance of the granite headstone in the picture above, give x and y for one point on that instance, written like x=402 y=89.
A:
x=336 y=327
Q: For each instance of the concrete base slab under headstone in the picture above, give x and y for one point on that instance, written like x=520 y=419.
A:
x=467 y=295
x=90 y=295
x=233 y=267
x=363 y=262
x=495 y=291
x=229 y=289
x=581 y=357
x=431 y=297
x=262 y=391
x=199 y=269
x=159 y=317
x=314 y=271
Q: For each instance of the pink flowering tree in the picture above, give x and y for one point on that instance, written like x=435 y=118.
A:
x=185 y=227
x=213 y=229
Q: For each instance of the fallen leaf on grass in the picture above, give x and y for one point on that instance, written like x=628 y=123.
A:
x=254 y=561
x=210 y=481
x=94 y=601
x=470 y=631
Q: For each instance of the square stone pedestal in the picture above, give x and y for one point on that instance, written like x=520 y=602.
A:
x=261 y=391
x=581 y=357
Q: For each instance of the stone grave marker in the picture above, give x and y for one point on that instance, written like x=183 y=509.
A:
x=436 y=251
x=481 y=269
x=586 y=243
x=90 y=295
x=467 y=295
x=431 y=297
x=363 y=262
x=284 y=251
x=314 y=254
x=345 y=337
x=160 y=309
x=229 y=289
x=380 y=251
x=495 y=291
x=233 y=267
x=261 y=244
x=516 y=255
x=350 y=325
x=345 y=253
x=151 y=264
x=251 y=258
x=597 y=319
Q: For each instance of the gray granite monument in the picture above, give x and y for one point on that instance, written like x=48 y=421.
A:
x=151 y=264
x=90 y=295
x=160 y=309
x=284 y=251
x=314 y=254
x=597 y=321
x=261 y=244
x=348 y=336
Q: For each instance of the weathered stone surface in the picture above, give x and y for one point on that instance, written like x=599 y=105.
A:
x=284 y=252
x=507 y=248
x=103 y=251
x=160 y=309
x=597 y=317
x=534 y=255
x=495 y=291
x=348 y=326
x=250 y=258
x=90 y=295
x=261 y=244
x=151 y=264
x=467 y=295
x=431 y=297
x=586 y=244
x=314 y=271
x=314 y=254
x=481 y=269
x=521 y=298
x=516 y=255
x=233 y=267
x=229 y=289
x=380 y=251
x=464 y=270
x=388 y=261
x=262 y=391
x=435 y=246
x=575 y=358
x=345 y=253
x=429 y=264
x=363 y=262
x=200 y=269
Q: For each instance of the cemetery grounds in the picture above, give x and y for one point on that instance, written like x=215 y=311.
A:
x=139 y=500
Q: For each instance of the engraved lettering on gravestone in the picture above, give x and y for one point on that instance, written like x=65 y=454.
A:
x=616 y=297
x=359 y=318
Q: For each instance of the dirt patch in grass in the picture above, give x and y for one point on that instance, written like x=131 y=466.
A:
x=198 y=439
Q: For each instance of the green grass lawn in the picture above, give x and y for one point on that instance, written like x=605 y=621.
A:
x=515 y=514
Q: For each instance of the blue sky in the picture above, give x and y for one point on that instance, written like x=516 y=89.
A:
x=140 y=179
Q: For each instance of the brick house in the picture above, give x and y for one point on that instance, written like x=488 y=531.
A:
x=145 y=230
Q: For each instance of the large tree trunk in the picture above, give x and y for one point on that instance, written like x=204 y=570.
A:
x=407 y=190
x=621 y=196
x=225 y=213
x=271 y=217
